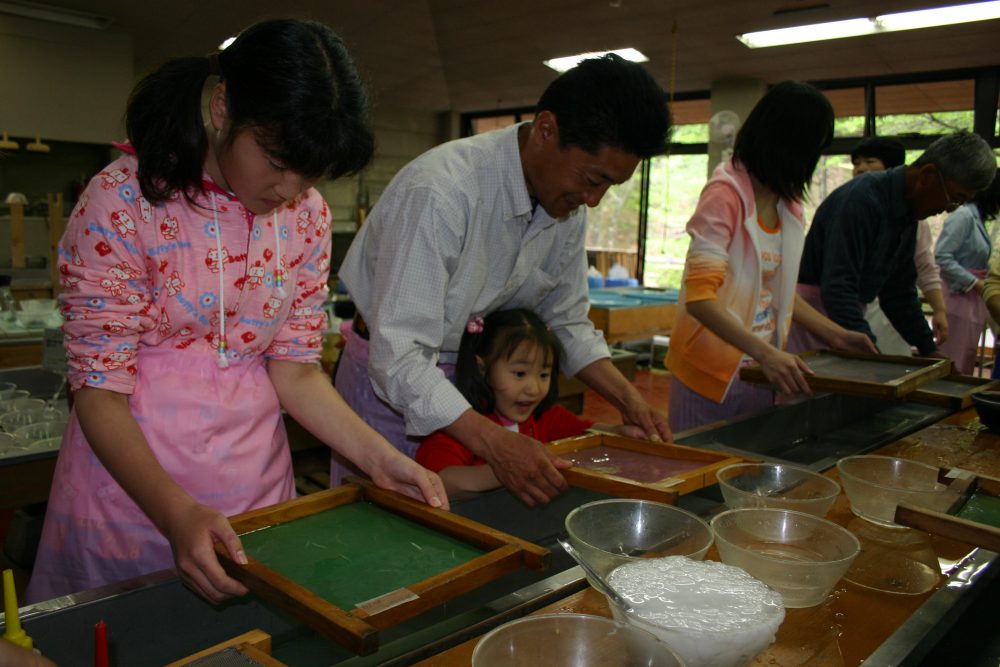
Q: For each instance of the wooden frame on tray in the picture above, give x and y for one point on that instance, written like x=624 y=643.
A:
x=947 y=524
x=953 y=391
x=255 y=645
x=906 y=374
x=665 y=490
x=357 y=628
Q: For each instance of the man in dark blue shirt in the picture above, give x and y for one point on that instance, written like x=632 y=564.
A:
x=861 y=241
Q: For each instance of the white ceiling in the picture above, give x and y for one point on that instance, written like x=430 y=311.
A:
x=474 y=55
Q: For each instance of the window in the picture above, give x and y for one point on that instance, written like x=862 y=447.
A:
x=675 y=183
x=848 y=111
x=933 y=108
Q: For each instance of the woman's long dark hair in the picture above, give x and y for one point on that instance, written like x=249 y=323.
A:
x=291 y=82
x=502 y=331
x=783 y=137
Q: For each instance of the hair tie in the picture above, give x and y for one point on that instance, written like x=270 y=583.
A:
x=475 y=325
x=214 y=66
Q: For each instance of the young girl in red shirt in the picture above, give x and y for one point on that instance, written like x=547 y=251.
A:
x=508 y=365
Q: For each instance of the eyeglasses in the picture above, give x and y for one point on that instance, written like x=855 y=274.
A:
x=954 y=201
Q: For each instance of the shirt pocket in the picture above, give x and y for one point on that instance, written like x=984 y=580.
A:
x=532 y=291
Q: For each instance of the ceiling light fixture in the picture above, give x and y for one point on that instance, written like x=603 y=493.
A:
x=922 y=18
x=569 y=62
x=40 y=12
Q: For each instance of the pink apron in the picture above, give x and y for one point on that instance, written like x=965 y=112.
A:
x=217 y=432
x=966 y=317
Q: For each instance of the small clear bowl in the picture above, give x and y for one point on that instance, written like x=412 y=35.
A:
x=777 y=485
x=802 y=556
x=15 y=419
x=875 y=485
x=610 y=533
x=569 y=640
x=36 y=311
x=7 y=403
x=41 y=435
x=6 y=389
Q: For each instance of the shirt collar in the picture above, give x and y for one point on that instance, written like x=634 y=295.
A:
x=517 y=201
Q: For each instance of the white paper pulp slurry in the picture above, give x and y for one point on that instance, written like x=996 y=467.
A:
x=711 y=614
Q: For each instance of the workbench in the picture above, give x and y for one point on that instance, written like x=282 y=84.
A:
x=153 y=620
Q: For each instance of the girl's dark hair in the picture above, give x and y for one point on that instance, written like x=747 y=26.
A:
x=291 y=82
x=501 y=333
x=988 y=201
x=783 y=137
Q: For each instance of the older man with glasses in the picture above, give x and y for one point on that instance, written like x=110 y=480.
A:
x=861 y=242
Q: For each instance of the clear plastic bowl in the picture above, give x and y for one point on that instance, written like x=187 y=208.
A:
x=875 y=485
x=36 y=311
x=571 y=640
x=6 y=389
x=800 y=555
x=8 y=402
x=15 y=419
x=777 y=485
x=610 y=533
x=41 y=435
x=711 y=614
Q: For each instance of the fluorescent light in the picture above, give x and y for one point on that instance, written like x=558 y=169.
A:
x=569 y=62
x=40 y=12
x=226 y=42
x=923 y=18
x=929 y=18
x=815 y=32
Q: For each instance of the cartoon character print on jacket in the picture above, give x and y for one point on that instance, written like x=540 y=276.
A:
x=137 y=275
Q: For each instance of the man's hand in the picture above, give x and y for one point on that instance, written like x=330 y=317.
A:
x=525 y=467
x=640 y=414
x=521 y=464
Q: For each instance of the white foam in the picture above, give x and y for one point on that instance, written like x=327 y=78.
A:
x=712 y=614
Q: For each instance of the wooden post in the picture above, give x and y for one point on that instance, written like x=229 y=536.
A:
x=17 y=235
x=56 y=227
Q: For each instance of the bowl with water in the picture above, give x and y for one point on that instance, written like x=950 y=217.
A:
x=802 y=556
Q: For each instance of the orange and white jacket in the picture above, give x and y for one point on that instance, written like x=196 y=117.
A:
x=723 y=262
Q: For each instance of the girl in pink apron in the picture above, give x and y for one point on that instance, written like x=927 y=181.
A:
x=963 y=253
x=194 y=269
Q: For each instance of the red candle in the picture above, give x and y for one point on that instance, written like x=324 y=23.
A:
x=100 y=644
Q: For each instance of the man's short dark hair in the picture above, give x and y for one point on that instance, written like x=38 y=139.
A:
x=609 y=101
x=889 y=151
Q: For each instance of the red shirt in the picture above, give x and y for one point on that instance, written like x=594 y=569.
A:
x=439 y=450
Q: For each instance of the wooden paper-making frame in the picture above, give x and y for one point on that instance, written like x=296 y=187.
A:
x=358 y=628
x=905 y=383
x=664 y=491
